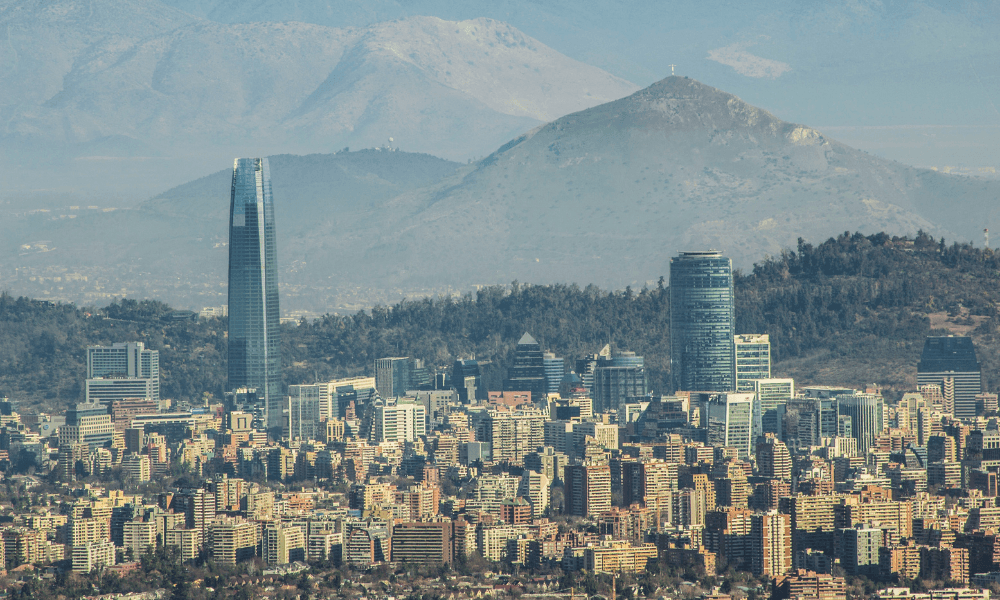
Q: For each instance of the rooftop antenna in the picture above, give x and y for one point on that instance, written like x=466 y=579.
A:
x=986 y=238
x=671 y=69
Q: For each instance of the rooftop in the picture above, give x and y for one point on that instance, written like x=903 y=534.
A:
x=948 y=353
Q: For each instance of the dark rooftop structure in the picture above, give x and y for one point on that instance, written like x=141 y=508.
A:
x=948 y=353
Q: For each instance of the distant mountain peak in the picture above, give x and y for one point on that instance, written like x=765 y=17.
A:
x=679 y=102
x=674 y=105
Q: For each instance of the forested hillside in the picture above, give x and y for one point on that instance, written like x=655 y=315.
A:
x=851 y=310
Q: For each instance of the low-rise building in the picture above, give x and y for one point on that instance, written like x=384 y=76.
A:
x=616 y=556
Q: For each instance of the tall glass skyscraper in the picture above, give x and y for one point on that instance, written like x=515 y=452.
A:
x=702 y=322
x=868 y=418
x=254 y=336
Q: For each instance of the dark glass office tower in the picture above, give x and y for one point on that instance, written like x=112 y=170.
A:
x=950 y=362
x=468 y=380
x=702 y=322
x=527 y=374
x=254 y=337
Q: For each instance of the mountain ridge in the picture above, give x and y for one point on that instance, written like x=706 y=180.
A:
x=184 y=91
x=605 y=195
x=706 y=142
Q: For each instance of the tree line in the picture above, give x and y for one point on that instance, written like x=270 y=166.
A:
x=853 y=299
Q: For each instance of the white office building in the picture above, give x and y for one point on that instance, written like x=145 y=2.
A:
x=753 y=360
x=123 y=370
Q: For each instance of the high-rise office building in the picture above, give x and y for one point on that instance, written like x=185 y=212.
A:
x=254 y=333
x=336 y=395
x=729 y=420
x=772 y=397
x=392 y=376
x=130 y=359
x=586 y=366
x=303 y=412
x=819 y=421
x=89 y=424
x=108 y=390
x=753 y=359
x=467 y=379
x=702 y=322
x=555 y=369
x=527 y=374
x=868 y=419
x=772 y=393
x=123 y=370
x=952 y=358
x=395 y=376
x=617 y=381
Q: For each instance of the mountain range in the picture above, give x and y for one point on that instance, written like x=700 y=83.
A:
x=912 y=80
x=605 y=195
x=114 y=101
x=133 y=97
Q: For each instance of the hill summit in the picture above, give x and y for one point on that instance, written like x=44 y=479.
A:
x=608 y=194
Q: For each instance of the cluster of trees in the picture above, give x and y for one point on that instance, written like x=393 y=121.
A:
x=852 y=309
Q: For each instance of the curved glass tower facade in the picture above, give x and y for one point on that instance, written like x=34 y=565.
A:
x=254 y=335
x=702 y=322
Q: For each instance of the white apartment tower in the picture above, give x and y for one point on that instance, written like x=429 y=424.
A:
x=123 y=370
x=535 y=487
x=394 y=421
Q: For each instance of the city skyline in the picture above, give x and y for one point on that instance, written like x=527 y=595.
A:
x=547 y=319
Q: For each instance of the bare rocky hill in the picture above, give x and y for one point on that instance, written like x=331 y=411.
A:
x=606 y=196
x=609 y=194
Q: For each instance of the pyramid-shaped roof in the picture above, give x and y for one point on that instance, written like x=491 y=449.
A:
x=526 y=339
